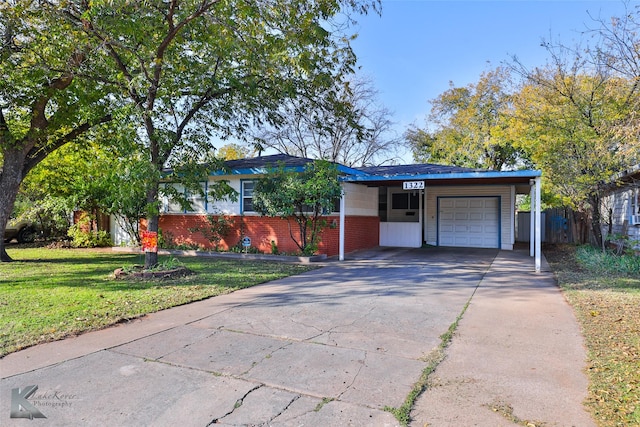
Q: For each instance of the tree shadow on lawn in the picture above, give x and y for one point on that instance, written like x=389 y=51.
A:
x=96 y=271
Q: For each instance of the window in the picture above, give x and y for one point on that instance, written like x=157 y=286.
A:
x=247 y=196
x=170 y=205
x=174 y=196
x=197 y=200
x=405 y=201
x=247 y=188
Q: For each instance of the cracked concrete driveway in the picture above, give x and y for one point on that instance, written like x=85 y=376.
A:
x=333 y=346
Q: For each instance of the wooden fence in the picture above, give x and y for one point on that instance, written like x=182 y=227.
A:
x=561 y=225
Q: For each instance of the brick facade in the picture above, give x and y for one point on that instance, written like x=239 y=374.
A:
x=362 y=232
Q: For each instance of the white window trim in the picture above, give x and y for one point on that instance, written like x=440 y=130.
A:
x=243 y=197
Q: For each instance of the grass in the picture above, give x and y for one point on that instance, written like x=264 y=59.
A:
x=605 y=292
x=50 y=294
x=403 y=413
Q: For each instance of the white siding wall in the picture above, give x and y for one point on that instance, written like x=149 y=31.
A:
x=118 y=235
x=621 y=205
x=360 y=200
x=504 y=191
x=227 y=207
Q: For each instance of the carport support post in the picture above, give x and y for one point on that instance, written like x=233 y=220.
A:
x=532 y=217
x=538 y=224
x=341 y=235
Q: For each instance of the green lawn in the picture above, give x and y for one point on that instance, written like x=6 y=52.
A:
x=49 y=294
x=604 y=291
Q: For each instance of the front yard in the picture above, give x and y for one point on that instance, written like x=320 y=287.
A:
x=605 y=294
x=50 y=294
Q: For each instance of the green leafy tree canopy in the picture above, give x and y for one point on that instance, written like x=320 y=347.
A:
x=468 y=126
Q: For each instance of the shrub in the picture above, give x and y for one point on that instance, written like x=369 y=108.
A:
x=166 y=240
x=83 y=238
x=597 y=260
x=216 y=229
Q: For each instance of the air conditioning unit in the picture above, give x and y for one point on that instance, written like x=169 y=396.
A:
x=635 y=219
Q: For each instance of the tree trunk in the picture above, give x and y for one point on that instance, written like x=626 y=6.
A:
x=151 y=258
x=596 y=219
x=10 y=179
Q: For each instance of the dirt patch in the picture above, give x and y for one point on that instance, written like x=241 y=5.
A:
x=506 y=410
x=140 y=273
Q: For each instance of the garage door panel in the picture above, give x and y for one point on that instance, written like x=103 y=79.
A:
x=476 y=203
x=447 y=228
x=447 y=216
x=469 y=222
x=490 y=216
x=477 y=229
x=447 y=203
x=475 y=241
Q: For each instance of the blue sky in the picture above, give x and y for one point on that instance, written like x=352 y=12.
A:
x=417 y=47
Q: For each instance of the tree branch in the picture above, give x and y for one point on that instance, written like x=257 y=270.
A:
x=35 y=156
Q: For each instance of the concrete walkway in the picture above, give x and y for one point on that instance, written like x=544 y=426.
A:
x=329 y=347
x=517 y=357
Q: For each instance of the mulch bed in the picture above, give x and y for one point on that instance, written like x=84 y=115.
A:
x=140 y=273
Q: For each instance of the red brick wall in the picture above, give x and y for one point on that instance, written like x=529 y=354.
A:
x=361 y=232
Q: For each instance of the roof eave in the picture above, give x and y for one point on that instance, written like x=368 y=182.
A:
x=262 y=170
x=445 y=176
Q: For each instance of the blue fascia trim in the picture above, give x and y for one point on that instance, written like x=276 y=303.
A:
x=245 y=171
x=263 y=170
x=350 y=171
x=439 y=176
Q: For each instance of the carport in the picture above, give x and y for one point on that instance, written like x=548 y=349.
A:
x=448 y=206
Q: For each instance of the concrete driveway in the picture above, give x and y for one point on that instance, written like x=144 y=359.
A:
x=332 y=346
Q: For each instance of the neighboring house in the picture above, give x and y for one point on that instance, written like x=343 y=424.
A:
x=621 y=206
x=403 y=206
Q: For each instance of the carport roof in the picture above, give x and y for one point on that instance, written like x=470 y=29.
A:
x=441 y=175
x=388 y=175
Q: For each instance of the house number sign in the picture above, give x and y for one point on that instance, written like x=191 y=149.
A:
x=413 y=185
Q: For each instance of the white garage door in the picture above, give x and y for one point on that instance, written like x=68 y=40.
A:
x=472 y=222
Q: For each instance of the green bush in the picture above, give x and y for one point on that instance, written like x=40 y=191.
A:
x=598 y=260
x=215 y=230
x=82 y=238
x=166 y=240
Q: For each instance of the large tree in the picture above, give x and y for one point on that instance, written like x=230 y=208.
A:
x=468 y=126
x=344 y=124
x=576 y=117
x=190 y=69
x=50 y=91
x=617 y=52
x=179 y=71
